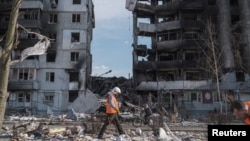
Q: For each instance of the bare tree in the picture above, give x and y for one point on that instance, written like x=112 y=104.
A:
x=210 y=49
x=11 y=42
x=5 y=57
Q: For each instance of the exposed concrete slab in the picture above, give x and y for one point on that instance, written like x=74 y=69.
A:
x=85 y=103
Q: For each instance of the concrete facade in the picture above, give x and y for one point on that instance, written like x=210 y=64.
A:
x=56 y=78
x=169 y=63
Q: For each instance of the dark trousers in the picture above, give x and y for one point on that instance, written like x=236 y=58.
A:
x=111 y=118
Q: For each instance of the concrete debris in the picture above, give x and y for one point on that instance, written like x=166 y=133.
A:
x=171 y=133
x=163 y=135
x=87 y=128
x=22 y=118
x=72 y=115
x=85 y=103
x=132 y=105
x=138 y=131
x=123 y=138
x=38 y=49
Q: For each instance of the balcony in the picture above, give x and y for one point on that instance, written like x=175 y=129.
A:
x=170 y=25
x=25 y=23
x=7 y=5
x=33 y=4
x=174 y=45
x=22 y=85
x=145 y=29
x=27 y=63
x=28 y=23
x=172 y=7
x=141 y=50
x=144 y=10
x=168 y=8
x=145 y=65
x=165 y=65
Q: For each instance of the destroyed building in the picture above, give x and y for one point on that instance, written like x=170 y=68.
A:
x=55 y=79
x=169 y=53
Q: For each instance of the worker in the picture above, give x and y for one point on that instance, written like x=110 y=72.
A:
x=112 y=112
x=241 y=110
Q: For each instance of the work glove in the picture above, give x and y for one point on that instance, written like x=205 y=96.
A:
x=118 y=111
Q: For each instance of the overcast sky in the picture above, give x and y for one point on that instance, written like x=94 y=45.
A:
x=111 y=45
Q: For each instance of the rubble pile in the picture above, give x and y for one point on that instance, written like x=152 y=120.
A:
x=83 y=122
x=87 y=128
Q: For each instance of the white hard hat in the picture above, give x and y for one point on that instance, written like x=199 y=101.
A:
x=116 y=90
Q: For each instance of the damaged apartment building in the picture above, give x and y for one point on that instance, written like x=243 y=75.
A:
x=55 y=79
x=169 y=53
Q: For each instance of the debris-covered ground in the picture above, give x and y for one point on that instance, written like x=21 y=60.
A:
x=85 y=117
x=86 y=128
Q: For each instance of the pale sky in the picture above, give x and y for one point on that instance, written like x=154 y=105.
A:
x=112 y=39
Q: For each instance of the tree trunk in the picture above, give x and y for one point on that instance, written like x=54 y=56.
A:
x=5 y=58
x=4 y=72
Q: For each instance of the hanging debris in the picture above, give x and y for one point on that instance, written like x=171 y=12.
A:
x=38 y=49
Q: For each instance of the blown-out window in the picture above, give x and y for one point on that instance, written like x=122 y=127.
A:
x=192 y=75
x=75 y=37
x=74 y=56
x=191 y=35
x=73 y=76
x=53 y=18
x=73 y=95
x=51 y=56
x=76 y=1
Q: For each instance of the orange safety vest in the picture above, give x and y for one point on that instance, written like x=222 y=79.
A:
x=109 y=108
x=247 y=119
